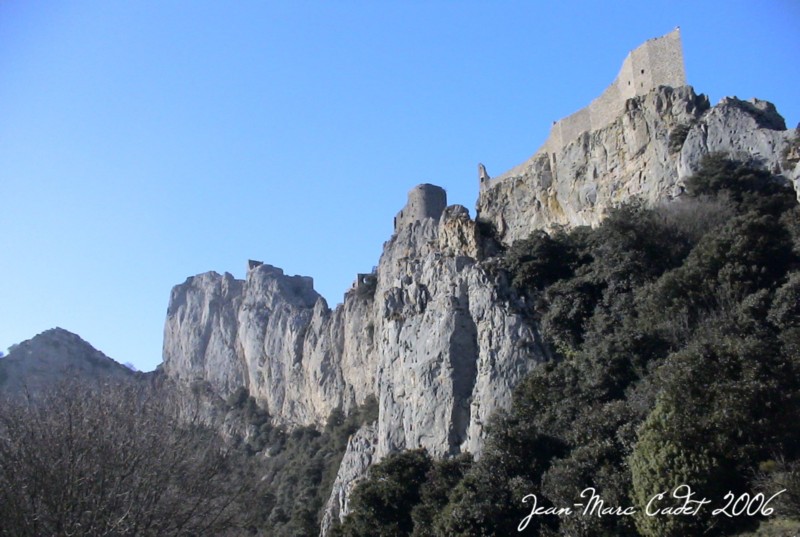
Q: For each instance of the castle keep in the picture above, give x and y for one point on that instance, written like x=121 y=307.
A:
x=424 y=201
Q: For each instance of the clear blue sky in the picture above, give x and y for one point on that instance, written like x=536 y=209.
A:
x=143 y=142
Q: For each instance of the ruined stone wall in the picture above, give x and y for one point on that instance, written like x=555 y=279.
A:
x=658 y=62
x=424 y=201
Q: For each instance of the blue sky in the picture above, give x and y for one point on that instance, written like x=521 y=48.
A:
x=145 y=142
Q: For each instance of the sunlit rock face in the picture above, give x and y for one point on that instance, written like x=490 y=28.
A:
x=579 y=183
x=750 y=131
x=435 y=332
x=355 y=463
x=646 y=153
x=433 y=336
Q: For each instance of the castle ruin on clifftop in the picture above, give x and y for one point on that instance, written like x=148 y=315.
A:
x=424 y=201
x=657 y=62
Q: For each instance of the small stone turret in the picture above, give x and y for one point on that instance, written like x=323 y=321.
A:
x=424 y=201
x=483 y=176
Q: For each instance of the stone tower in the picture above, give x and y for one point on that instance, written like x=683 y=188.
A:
x=424 y=201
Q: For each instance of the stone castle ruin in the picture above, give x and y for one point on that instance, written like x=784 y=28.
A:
x=424 y=201
x=658 y=62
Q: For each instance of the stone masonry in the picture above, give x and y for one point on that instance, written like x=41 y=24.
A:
x=424 y=201
x=657 y=62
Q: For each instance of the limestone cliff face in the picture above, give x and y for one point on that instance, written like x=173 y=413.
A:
x=225 y=333
x=751 y=131
x=430 y=335
x=652 y=146
x=356 y=462
x=434 y=332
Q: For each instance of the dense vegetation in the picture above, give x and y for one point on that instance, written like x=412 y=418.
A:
x=676 y=332
x=296 y=468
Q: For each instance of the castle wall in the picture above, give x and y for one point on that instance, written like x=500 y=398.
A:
x=605 y=109
x=667 y=54
x=658 y=62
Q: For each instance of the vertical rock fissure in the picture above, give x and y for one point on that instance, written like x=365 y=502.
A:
x=463 y=371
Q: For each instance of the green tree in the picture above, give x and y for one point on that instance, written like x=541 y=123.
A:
x=488 y=500
x=381 y=505
x=667 y=457
x=443 y=476
x=539 y=261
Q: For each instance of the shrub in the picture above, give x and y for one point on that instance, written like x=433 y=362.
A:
x=382 y=504
x=664 y=459
x=538 y=261
x=435 y=492
x=677 y=137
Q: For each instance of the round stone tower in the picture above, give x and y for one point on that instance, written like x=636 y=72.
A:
x=424 y=201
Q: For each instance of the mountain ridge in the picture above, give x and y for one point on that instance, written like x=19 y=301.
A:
x=437 y=333
x=53 y=356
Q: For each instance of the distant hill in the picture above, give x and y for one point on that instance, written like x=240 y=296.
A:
x=54 y=356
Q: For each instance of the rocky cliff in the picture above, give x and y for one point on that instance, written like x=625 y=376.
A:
x=435 y=332
x=433 y=335
x=658 y=141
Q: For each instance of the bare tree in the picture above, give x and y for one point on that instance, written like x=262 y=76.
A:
x=115 y=460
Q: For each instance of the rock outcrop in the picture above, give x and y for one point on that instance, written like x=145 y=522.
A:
x=646 y=153
x=596 y=171
x=751 y=131
x=355 y=463
x=435 y=333
x=435 y=340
